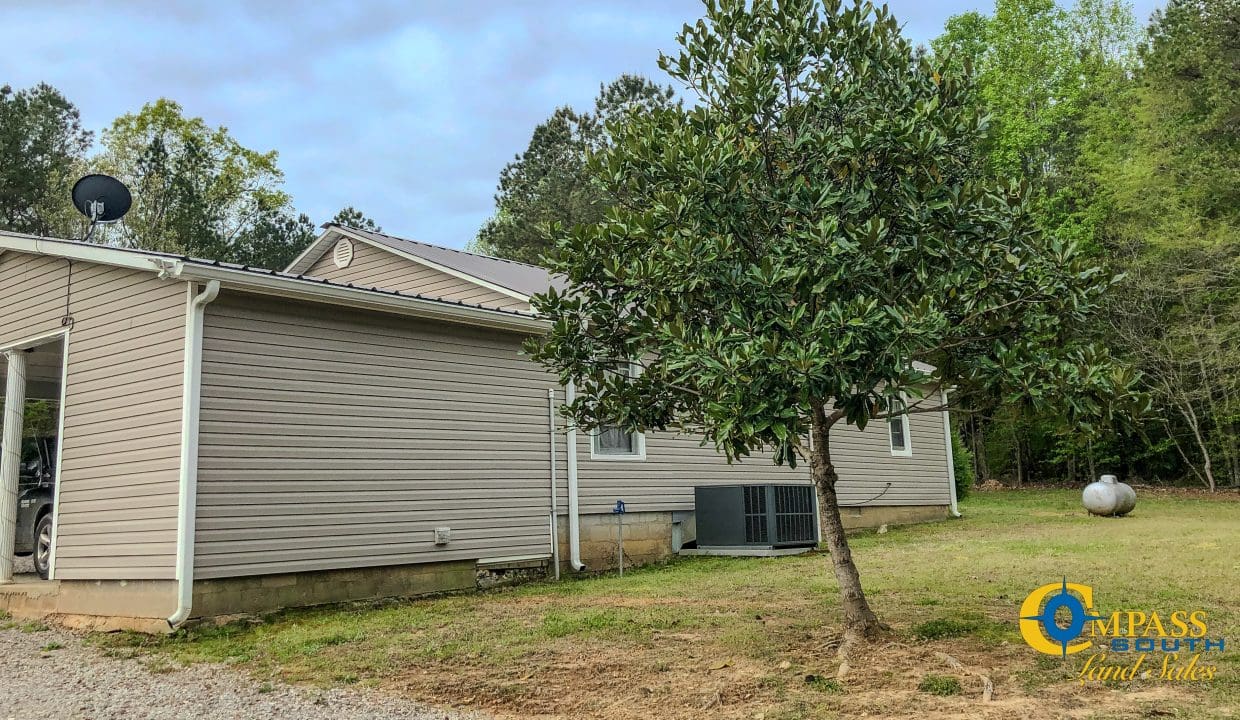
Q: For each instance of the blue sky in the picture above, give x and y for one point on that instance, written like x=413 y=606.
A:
x=406 y=110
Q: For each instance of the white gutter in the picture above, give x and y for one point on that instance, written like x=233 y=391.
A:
x=278 y=285
x=354 y=297
x=574 y=507
x=951 y=460
x=191 y=397
x=555 y=511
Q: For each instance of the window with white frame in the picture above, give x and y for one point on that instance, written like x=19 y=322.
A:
x=611 y=442
x=616 y=442
x=897 y=433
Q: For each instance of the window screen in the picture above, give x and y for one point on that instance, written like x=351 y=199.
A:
x=612 y=440
x=898 y=441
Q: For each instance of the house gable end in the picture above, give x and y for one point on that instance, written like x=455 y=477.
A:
x=372 y=265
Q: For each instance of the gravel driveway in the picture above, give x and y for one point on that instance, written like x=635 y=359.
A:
x=40 y=680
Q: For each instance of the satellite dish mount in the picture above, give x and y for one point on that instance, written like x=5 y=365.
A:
x=102 y=199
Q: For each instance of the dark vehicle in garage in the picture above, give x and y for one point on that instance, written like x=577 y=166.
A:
x=36 y=491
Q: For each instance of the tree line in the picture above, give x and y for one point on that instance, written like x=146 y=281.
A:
x=197 y=190
x=1124 y=135
x=1127 y=140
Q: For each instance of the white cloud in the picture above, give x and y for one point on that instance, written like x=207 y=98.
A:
x=404 y=110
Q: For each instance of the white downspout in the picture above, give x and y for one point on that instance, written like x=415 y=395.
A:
x=191 y=396
x=555 y=510
x=574 y=507
x=951 y=460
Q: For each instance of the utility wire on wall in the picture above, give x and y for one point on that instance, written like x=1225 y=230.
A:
x=66 y=320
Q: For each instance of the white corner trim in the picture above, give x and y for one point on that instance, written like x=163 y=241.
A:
x=638 y=454
x=555 y=490
x=436 y=266
x=60 y=434
x=951 y=459
x=574 y=501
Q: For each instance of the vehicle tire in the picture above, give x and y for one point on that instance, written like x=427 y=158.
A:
x=42 y=545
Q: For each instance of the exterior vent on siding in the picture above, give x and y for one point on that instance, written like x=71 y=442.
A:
x=342 y=255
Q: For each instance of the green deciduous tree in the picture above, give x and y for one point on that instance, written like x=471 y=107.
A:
x=42 y=145
x=1166 y=159
x=1043 y=74
x=1041 y=71
x=1191 y=103
x=196 y=189
x=549 y=183
x=784 y=255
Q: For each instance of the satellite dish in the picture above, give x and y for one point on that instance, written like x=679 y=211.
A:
x=102 y=199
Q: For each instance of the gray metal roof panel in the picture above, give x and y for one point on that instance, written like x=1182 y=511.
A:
x=276 y=273
x=516 y=276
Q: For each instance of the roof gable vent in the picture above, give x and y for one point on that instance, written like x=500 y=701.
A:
x=342 y=255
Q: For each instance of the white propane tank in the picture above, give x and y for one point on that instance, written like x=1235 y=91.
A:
x=1109 y=497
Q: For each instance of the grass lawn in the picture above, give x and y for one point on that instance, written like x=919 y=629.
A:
x=756 y=638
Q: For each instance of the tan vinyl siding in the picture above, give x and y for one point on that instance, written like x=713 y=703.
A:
x=334 y=439
x=376 y=267
x=122 y=426
x=866 y=464
x=674 y=464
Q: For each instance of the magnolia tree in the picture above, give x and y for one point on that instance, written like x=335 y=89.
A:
x=797 y=248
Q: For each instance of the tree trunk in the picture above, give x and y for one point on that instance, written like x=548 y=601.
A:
x=1227 y=412
x=860 y=622
x=1208 y=466
x=1178 y=448
x=981 y=468
x=1020 y=465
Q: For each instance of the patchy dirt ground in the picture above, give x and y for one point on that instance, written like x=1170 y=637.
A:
x=683 y=675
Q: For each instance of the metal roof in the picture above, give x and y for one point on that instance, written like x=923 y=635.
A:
x=519 y=278
x=177 y=265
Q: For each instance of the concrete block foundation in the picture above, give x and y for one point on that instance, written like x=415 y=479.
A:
x=143 y=605
x=262 y=593
x=647 y=539
x=655 y=536
x=872 y=516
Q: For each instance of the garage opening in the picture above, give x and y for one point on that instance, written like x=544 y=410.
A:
x=27 y=515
